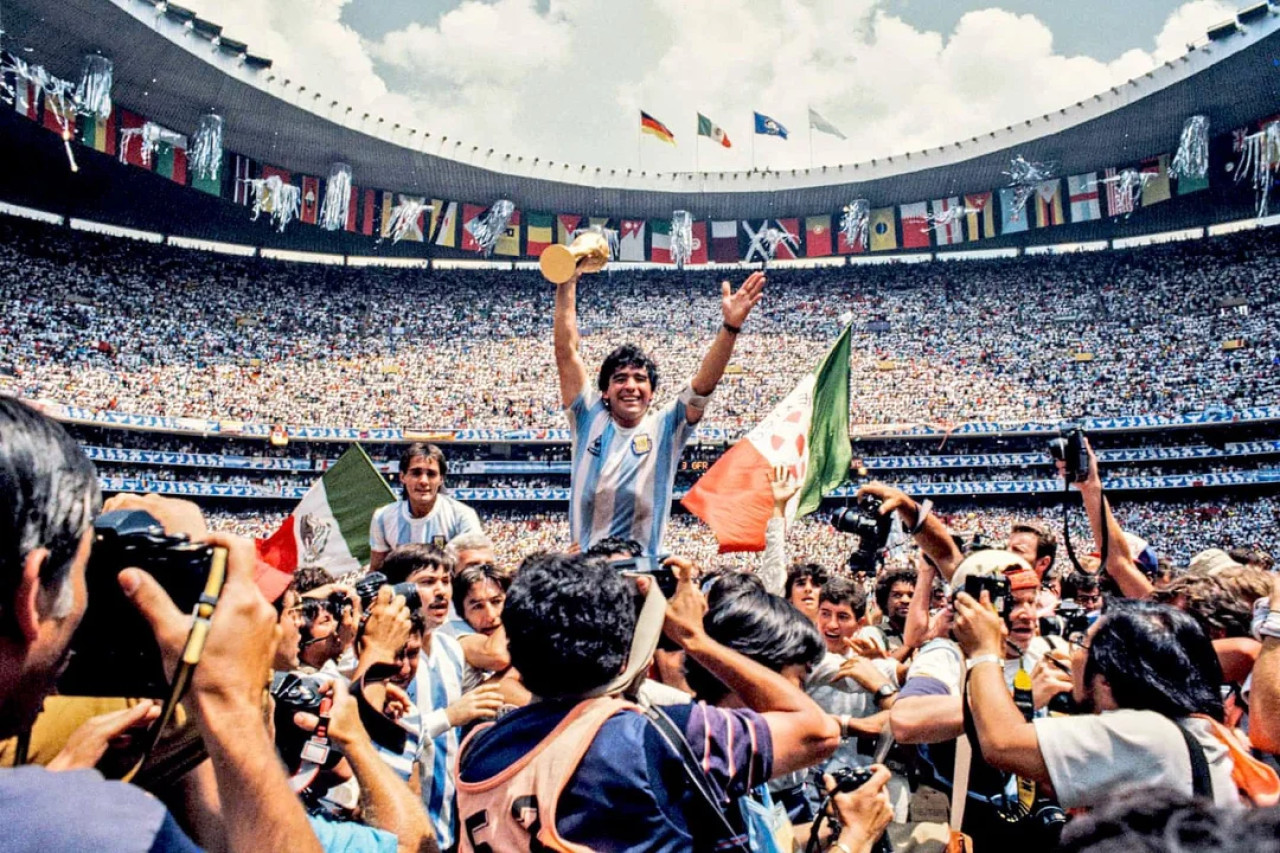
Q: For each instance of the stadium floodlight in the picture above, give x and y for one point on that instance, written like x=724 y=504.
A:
x=1226 y=29
x=1256 y=12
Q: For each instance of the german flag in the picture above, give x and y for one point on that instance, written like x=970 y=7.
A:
x=649 y=124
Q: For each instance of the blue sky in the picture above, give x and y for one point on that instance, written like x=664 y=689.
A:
x=565 y=79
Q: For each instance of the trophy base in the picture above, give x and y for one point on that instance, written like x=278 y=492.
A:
x=558 y=264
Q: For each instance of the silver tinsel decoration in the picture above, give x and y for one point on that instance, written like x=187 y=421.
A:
x=205 y=157
x=947 y=217
x=337 y=198
x=1258 y=161
x=272 y=195
x=1129 y=186
x=489 y=228
x=61 y=95
x=1024 y=176
x=681 y=238
x=149 y=136
x=93 y=95
x=404 y=218
x=1192 y=159
x=855 y=222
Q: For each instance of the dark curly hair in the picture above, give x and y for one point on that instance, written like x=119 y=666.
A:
x=1156 y=658
x=569 y=620
x=627 y=355
x=884 y=585
x=814 y=571
x=764 y=627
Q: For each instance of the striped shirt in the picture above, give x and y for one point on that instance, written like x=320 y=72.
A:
x=622 y=477
x=441 y=672
x=392 y=525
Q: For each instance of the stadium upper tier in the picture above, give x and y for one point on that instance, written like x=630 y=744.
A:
x=171 y=67
x=108 y=324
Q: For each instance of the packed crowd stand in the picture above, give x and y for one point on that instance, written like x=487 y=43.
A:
x=273 y=342
x=952 y=676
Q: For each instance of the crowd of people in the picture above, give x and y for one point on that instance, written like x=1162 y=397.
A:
x=484 y=683
x=1033 y=338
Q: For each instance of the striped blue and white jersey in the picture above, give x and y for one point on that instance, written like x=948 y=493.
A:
x=392 y=524
x=622 y=477
x=441 y=673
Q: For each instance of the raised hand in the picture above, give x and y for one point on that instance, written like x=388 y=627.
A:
x=736 y=305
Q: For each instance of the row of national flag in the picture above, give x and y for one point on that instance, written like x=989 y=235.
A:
x=450 y=224
x=763 y=126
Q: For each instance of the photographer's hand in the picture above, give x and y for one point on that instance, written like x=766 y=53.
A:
x=1048 y=679
x=96 y=735
x=977 y=627
x=345 y=727
x=864 y=813
x=1120 y=564
x=175 y=515
x=259 y=810
x=683 y=623
x=933 y=536
x=385 y=631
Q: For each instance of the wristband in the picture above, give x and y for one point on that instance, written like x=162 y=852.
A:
x=734 y=330
x=692 y=398
x=971 y=663
x=922 y=513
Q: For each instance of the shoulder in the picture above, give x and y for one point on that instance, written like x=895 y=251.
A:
x=350 y=837
x=940 y=659
x=1143 y=730
x=386 y=510
x=588 y=402
x=78 y=810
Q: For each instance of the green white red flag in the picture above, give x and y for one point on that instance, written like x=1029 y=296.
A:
x=330 y=526
x=807 y=433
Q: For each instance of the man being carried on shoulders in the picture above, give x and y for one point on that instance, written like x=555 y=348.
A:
x=624 y=456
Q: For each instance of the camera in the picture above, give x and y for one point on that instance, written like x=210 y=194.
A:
x=1070 y=621
x=649 y=565
x=871 y=529
x=1068 y=447
x=996 y=586
x=114 y=651
x=851 y=778
x=367 y=588
x=294 y=692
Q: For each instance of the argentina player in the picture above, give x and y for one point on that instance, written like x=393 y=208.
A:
x=624 y=455
x=425 y=516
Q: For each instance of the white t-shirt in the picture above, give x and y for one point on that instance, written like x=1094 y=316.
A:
x=941 y=659
x=1091 y=757
x=392 y=524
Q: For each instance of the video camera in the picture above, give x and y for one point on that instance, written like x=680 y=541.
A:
x=367 y=589
x=1068 y=447
x=114 y=651
x=871 y=529
x=996 y=587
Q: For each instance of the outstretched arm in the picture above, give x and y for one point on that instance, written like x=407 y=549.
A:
x=573 y=373
x=1120 y=563
x=933 y=537
x=735 y=307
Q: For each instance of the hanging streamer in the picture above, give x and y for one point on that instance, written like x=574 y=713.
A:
x=1024 y=176
x=1192 y=158
x=681 y=238
x=93 y=95
x=855 y=222
x=205 y=157
x=60 y=95
x=272 y=195
x=1259 y=157
x=489 y=228
x=404 y=217
x=947 y=217
x=337 y=198
x=1129 y=186
x=148 y=137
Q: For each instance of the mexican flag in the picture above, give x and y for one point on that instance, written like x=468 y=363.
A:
x=808 y=433
x=330 y=526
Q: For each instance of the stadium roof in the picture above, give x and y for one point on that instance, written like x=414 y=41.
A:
x=171 y=66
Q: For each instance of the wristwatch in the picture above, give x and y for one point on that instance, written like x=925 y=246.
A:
x=885 y=691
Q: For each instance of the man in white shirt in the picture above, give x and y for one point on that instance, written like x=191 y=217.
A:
x=425 y=516
x=624 y=455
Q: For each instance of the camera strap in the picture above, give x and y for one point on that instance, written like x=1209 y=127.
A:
x=1066 y=532
x=201 y=621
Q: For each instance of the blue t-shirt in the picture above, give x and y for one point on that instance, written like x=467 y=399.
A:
x=630 y=793
x=344 y=836
x=43 y=811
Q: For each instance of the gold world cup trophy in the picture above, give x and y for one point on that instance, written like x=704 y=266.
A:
x=589 y=252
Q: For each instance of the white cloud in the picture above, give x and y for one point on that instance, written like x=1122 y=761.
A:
x=566 y=84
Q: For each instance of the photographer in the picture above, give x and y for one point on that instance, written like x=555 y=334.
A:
x=51 y=498
x=918 y=520
x=929 y=710
x=574 y=635
x=1151 y=678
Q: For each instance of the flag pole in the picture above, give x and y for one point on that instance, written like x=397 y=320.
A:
x=640 y=143
x=811 y=143
x=697 y=147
